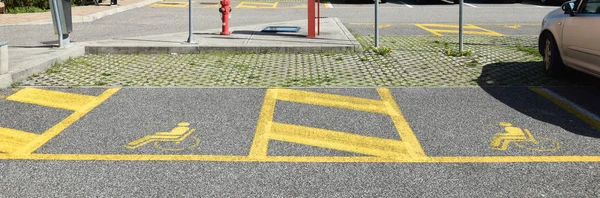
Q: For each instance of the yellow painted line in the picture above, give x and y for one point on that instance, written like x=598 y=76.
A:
x=429 y=30
x=337 y=140
x=257 y=5
x=54 y=99
x=332 y=100
x=260 y=143
x=12 y=140
x=454 y=29
x=308 y=159
x=406 y=133
x=42 y=139
x=562 y=104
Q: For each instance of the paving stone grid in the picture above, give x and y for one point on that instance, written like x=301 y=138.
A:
x=415 y=61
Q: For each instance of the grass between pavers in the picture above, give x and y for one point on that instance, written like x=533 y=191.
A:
x=412 y=61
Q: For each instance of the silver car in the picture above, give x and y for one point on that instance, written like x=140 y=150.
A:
x=570 y=37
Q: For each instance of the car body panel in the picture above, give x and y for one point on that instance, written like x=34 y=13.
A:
x=578 y=36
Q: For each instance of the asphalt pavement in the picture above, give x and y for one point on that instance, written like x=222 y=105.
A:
x=445 y=138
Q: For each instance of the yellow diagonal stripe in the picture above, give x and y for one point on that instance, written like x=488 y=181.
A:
x=337 y=140
x=406 y=133
x=331 y=100
x=260 y=143
x=62 y=125
x=54 y=99
x=12 y=140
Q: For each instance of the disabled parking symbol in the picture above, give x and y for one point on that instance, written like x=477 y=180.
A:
x=522 y=138
x=175 y=140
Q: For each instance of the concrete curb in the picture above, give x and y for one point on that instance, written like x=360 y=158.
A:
x=357 y=46
x=91 y=17
x=24 y=69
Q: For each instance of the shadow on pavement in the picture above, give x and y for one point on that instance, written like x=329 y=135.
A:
x=508 y=82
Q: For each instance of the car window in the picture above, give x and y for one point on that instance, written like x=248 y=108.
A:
x=590 y=7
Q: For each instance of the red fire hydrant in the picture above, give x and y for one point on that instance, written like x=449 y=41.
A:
x=225 y=10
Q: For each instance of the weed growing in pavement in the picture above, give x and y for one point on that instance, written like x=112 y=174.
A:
x=55 y=68
x=100 y=83
x=472 y=63
x=456 y=53
x=445 y=44
x=529 y=50
x=363 y=59
x=382 y=51
x=15 y=85
x=307 y=81
x=106 y=74
x=339 y=59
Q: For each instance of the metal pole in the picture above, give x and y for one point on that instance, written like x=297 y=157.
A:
x=376 y=23
x=191 y=37
x=460 y=28
x=58 y=25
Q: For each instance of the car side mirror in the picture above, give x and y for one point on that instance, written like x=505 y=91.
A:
x=568 y=8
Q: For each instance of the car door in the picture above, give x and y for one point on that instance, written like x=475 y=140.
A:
x=581 y=37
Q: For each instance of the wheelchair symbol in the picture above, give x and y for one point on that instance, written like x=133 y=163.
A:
x=175 y=140
x=522 y=138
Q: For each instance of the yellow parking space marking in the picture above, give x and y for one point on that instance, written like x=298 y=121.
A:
x=446 y=28
x=176 y=136
x=306 y=159
x=257 y=5
x=517 y=136
x=54 y=99
x=570 y=107
x=337 y=140
x=515 y=26
x=267 y=129
x=331 y=100
x=81 y=105
x=12 y=140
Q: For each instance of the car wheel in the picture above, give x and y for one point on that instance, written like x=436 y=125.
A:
x=420 y=1
x=384 y=1
x=544 y=1
x=518 y=1
x=456 y=1
x=553 y=65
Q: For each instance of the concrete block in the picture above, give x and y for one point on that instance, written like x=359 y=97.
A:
x=3 y=58
x=5 y=81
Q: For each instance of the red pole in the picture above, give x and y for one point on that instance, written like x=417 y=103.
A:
x=319 y=18
x=311 y=19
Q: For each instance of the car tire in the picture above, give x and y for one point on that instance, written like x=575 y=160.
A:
x=456 y=1
x=384 y=1
x=553 y=65
x=518 y=1
x=419 y=2
x=545 y=2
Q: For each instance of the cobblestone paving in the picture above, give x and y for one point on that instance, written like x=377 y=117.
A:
x=415 y=61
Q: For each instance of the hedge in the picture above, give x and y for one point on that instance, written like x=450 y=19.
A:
x=43 y=4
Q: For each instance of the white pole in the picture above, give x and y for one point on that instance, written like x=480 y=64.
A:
x=460 y=28
x=191 y=36
x=376 y=23
x=58 y=24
